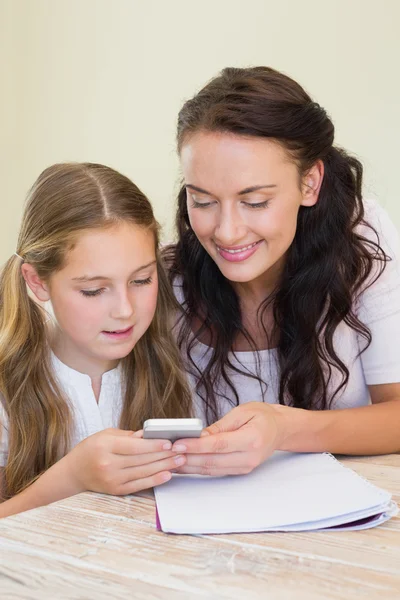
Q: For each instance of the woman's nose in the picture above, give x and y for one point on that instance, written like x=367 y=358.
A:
x=230 y=228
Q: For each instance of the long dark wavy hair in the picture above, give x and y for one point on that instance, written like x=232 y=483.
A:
x=328 y=264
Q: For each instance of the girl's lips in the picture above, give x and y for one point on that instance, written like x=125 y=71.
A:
x=239 y=254
x=120 y=334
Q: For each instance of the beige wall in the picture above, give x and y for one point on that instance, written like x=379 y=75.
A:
x=103 y=80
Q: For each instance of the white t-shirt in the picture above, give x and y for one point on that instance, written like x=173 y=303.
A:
x=88 y=415
x=378 y=308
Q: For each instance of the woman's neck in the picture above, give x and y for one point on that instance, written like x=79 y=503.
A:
x=258 y=323
x=253 y=293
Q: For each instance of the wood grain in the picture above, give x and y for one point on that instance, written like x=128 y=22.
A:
x=104 y=547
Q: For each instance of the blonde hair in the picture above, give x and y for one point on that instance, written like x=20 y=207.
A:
x=66 y=200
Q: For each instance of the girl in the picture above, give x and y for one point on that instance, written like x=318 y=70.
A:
x=77 y=382
x=289 y=283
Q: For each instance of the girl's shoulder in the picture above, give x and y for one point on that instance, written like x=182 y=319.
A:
x=3 y=413
x=3 y=434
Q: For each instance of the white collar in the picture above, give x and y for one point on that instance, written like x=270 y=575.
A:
x=68 y=375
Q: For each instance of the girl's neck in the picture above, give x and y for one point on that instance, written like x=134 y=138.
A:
x=74 y=358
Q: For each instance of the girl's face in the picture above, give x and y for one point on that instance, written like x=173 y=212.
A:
x=243 y=197
x=104 y=298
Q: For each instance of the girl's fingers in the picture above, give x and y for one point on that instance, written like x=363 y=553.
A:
x=138 y=434
x=127 y=461
x=150 y=469
x=137 y=485
x=212 y=471
x=133 y=445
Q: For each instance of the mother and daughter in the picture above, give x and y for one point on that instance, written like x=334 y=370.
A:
x=279 y=325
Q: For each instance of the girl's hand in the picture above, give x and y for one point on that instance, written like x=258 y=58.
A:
x=235 y=444
x=120 y=462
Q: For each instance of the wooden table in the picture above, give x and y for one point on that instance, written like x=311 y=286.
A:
x=99 y=547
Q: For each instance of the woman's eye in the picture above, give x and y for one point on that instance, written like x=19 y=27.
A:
x=257 y=204
x=92 y=292
x=196 y=204
x=143 y=281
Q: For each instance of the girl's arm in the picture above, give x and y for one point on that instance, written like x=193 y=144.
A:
x=56 y=483
x=112 y=461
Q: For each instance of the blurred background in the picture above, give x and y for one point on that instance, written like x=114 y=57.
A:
x=103 y=81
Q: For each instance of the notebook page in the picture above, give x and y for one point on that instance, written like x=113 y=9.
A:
x=288 y=489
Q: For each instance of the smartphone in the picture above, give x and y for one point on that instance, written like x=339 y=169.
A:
x=172 y=429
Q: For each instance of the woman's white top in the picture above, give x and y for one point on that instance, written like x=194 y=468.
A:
x=378 y=308
x=89 y=415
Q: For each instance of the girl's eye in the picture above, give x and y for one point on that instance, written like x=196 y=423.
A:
x=143 y=281
x=92 y=292
x=257 y=204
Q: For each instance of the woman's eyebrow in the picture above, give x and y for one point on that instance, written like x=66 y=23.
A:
x=197 y=189
x=103 y=277
x=247 y=190
x=255 y=188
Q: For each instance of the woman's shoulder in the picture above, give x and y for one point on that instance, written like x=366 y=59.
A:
x=177 y=288
x=381 y=294
x=378 y=227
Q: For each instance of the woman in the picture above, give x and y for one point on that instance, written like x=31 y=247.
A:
x=288 y=282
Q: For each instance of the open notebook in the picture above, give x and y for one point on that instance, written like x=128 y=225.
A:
x=289 y=492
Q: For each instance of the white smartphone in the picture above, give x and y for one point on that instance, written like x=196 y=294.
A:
x=172 y=429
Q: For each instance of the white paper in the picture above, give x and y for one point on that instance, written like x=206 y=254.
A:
x=289 y=492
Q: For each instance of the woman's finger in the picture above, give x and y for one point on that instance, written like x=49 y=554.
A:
x=233 y=420
x=220 y=443
x=235 y=460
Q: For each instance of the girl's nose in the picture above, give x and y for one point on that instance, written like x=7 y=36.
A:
x=123 y=308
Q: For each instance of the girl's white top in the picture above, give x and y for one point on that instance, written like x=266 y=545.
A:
x=89 y=416
x=378 y=308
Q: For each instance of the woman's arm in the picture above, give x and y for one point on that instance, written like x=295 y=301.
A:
x=249 y=433
x=368 y=430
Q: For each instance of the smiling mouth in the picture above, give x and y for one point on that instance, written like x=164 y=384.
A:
x=119 y=330
x=237 y=249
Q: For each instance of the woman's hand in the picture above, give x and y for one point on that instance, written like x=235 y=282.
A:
x=235 y=444
x=120 y=462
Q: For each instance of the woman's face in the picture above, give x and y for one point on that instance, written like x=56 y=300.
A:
x=243 y=197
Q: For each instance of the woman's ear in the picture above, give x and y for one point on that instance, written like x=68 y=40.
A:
x=37 y=286
x=311 y=184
